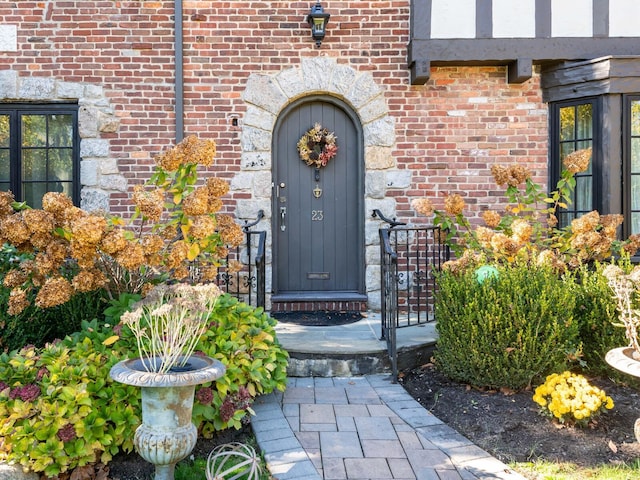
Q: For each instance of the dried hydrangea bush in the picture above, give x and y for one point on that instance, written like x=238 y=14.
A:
x=177 y=220
x=528 y=228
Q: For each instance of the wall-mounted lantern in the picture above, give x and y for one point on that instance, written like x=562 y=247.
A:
x=318 y=20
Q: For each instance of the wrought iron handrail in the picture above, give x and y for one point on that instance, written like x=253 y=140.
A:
x=261 y=269
x=392 y=222
x=409 y=255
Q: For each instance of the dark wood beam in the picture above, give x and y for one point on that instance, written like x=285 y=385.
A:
x=520 y=71
x=420 y=72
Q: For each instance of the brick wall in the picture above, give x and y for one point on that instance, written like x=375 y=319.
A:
x=448 y=132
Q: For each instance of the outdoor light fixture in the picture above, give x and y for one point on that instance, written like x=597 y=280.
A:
x=318 y=21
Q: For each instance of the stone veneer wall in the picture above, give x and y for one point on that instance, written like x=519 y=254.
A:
x=267 y=95
x=99 y=173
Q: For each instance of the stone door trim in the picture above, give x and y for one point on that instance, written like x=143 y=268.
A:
x=267 y=95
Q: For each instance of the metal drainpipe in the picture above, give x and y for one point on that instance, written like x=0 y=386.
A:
x=179 y=81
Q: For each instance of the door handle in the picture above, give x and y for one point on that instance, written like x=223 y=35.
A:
x=283 y=213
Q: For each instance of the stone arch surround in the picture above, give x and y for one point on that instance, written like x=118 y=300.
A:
x=267 y=95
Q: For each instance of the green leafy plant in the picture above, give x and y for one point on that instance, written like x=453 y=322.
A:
x=508 y=330
x=570 y=398
x=59 y=407
x=243 y=339
x=61 y=410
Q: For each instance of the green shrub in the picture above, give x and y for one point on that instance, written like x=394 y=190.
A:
x=243 y=339
x=62 y=410
x=37 y=326
x=506 y=331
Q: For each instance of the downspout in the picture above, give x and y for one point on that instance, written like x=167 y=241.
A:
x=179 y=81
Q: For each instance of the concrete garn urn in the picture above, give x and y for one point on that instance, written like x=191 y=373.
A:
x=167 y=434
x=167 y=325
x=626 y=287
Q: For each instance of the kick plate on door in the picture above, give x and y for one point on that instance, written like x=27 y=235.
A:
x=318 y=276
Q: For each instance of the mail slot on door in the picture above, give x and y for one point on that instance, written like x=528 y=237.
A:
x=318 y=275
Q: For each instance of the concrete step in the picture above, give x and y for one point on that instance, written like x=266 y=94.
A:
x=352 y=349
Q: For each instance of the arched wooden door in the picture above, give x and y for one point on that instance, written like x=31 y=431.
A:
x=318 y=214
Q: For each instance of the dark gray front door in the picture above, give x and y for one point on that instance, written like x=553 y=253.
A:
x=318 y=214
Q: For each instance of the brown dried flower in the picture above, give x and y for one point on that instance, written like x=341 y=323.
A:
x=234 y=266
x=178 y=254
x=113 y=242
x=14 y=229
x=38 y=221
x=6 y=200
x=513 y=175
x=454 y=204
x=88 y=230
x=197 y=203
x=152 y=244
x=491 y=218
x=149 y=202
x=197 y=150
x=484 y=236
x=18 y=301
x=203 y=226
x=578 y=161
x=132 y=257
x=55 y=291
x=88 y=280
x=56 y=203
x=586 y=223
x=217 y=187
x=521 y=230
x=230 y=232
x=423 y=206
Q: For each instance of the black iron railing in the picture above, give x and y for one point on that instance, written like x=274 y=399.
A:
x=409 y=256
x=243 y=274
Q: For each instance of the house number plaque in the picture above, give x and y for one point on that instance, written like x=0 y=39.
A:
x=317 y=215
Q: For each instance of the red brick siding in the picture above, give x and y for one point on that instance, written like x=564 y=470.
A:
x=448 y=132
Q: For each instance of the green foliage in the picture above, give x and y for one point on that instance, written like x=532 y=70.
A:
x=61 y=409
x=36 y=326
x=507 y=331
x=243 y=339
x=596 y=314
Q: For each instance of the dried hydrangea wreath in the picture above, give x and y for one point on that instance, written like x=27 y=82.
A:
x=317 y=146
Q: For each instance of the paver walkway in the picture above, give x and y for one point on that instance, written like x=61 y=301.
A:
x=360 y=428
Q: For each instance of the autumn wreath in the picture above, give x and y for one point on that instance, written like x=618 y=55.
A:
x=317 y=146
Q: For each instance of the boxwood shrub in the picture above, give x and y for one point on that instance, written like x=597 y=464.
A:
x=509 y=330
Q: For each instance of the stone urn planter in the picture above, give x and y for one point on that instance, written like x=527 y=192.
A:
x=626 y=360
x=167 y=434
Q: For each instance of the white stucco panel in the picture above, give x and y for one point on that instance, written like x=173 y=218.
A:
x=514 y=19
x=572 y=19
x=453 y=18
x=623 y=18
